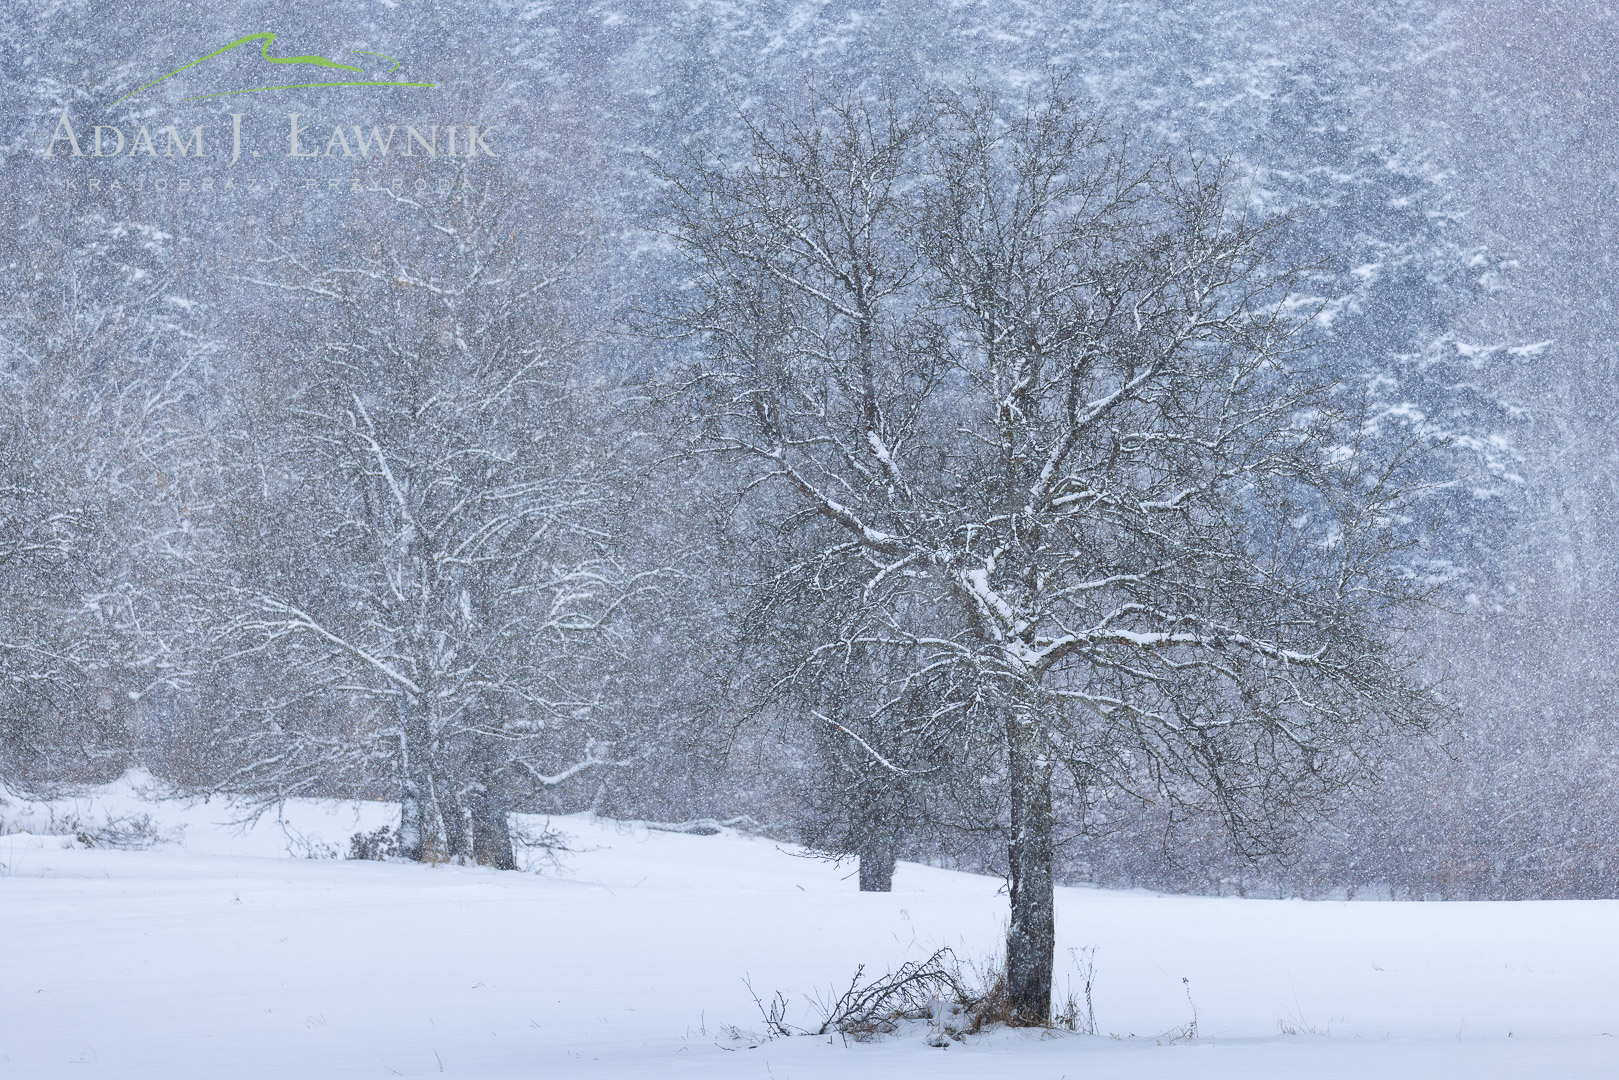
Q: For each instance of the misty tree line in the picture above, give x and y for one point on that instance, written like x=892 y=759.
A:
x=927 y=469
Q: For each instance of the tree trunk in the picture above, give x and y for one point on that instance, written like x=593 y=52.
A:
x=491 y=829
x=876 y=861
x=1031 y=938
x=412 y=820
x=417 y=830
x=453 y=812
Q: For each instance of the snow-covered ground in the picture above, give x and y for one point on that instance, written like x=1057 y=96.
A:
x=219 y=953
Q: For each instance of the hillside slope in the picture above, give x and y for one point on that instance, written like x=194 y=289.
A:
x=218 y=952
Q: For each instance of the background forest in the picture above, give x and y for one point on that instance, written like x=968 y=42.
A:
x=372 y=489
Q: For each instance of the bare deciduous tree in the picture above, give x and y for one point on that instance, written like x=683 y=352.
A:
x=1048 y=431
x=434 y=585
x=101 y=351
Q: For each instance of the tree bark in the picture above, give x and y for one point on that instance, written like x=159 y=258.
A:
x=412 y=820
x=453 y=812
x=1031 y=938
x=491 y=829
x=876 y=856
x=417 y=832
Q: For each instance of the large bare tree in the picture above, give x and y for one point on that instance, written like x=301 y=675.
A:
x=1047 y=429
x=430 y=585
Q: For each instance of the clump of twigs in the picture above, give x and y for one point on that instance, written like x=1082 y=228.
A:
x=954 y=1001
x=936 y=991
x=376 y=846
x=127 y=832
x=914 y=991
x=542 y=846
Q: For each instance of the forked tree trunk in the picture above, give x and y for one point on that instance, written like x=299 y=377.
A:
x=876 y=856
x=1031 y=938
x=491 y=829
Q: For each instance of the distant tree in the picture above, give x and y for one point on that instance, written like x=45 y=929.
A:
x=1047 y=429
x=46 y=674
x=871 y=771
x=428 y=587
x=101 y=350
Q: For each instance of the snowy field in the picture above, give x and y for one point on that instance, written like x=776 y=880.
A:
x=221 y=953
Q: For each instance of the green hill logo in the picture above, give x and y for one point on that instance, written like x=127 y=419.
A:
x=317 y=62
